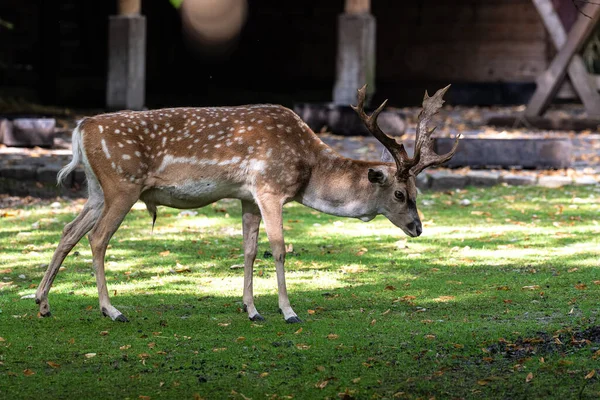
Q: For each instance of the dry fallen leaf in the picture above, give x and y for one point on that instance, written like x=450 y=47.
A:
x=590 y=374
x=240 y=339
x=322 y=384
x=2 y=339
x=332 y=336
x=311 y=312
x=264 y=375
x=103 y=333
x=218 y=349
x=302 y=346
x=529 y=377
x=127 y=346
x=164 y=253
x=28 y=372
x=53 y=364
x=531 y=287
x=299 y=331
x=444 y=299
x=89 y=355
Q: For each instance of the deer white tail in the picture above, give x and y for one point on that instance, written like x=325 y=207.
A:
x=77 y=144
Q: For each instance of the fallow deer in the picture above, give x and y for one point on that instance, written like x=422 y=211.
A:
x=263 y=155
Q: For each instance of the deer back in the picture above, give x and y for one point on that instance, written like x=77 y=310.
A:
x=246 y=145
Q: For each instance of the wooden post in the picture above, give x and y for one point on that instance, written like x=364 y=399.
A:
x=355 y=52
x=549 y=81
x=130 y=7
x=357 y=6
x=583 y=83
x=125 y=88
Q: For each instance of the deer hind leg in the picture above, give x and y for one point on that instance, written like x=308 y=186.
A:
x=271 y=208
x=250 y=222
x=117 y=205
x=72 y=234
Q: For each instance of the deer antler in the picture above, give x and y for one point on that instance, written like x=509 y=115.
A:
x=424 y=155
x=397 y=151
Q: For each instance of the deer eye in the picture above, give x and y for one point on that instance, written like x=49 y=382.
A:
x=399 y=196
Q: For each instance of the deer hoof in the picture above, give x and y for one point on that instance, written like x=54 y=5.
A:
x=293 y=320
x=121 y=318
x=114 y=314
x=257 y=317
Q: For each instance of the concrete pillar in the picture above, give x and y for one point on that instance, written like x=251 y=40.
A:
x=125 y=88
x=355 y=52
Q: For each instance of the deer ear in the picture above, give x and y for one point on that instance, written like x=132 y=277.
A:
x=378 y=176
x=386 y=156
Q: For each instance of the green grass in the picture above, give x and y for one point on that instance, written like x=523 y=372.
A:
x=493 y=293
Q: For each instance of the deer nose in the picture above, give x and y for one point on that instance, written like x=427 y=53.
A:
x=416 y=227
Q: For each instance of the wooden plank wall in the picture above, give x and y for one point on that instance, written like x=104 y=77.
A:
x=460 y=40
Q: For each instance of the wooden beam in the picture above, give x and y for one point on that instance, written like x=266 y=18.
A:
x=549 y=81
x=582 y=82
x=357 y=6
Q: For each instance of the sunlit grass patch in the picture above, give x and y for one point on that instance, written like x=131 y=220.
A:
x=469 y=309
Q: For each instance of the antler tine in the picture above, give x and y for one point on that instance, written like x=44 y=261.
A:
x=424 y=155
x=396 y=150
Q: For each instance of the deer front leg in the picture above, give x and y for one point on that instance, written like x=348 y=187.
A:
x=271 y=208
x=250 y=222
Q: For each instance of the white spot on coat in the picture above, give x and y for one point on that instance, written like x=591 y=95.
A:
x=105 y=148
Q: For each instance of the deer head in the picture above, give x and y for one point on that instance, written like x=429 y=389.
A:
x=397 y=185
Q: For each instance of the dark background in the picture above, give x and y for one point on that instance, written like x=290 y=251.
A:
x=490 y=50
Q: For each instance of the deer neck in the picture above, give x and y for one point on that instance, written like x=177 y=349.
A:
x=339 y=186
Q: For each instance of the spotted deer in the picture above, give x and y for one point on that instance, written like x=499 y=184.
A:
x=263 y=155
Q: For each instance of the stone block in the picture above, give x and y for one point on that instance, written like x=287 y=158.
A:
x=18 y=172
x=343 y=120
x=554 y=181
x=483 y=178
x=126 y=62
x=47 y=174
x=527 y=153
x=445 y=180
x=423 y=181
x=585 y=180
x=519 y=180
x=28 y=132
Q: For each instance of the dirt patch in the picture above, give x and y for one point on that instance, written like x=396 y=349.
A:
x=563 y=341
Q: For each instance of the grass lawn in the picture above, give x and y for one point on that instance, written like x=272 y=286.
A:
x=497 y=299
